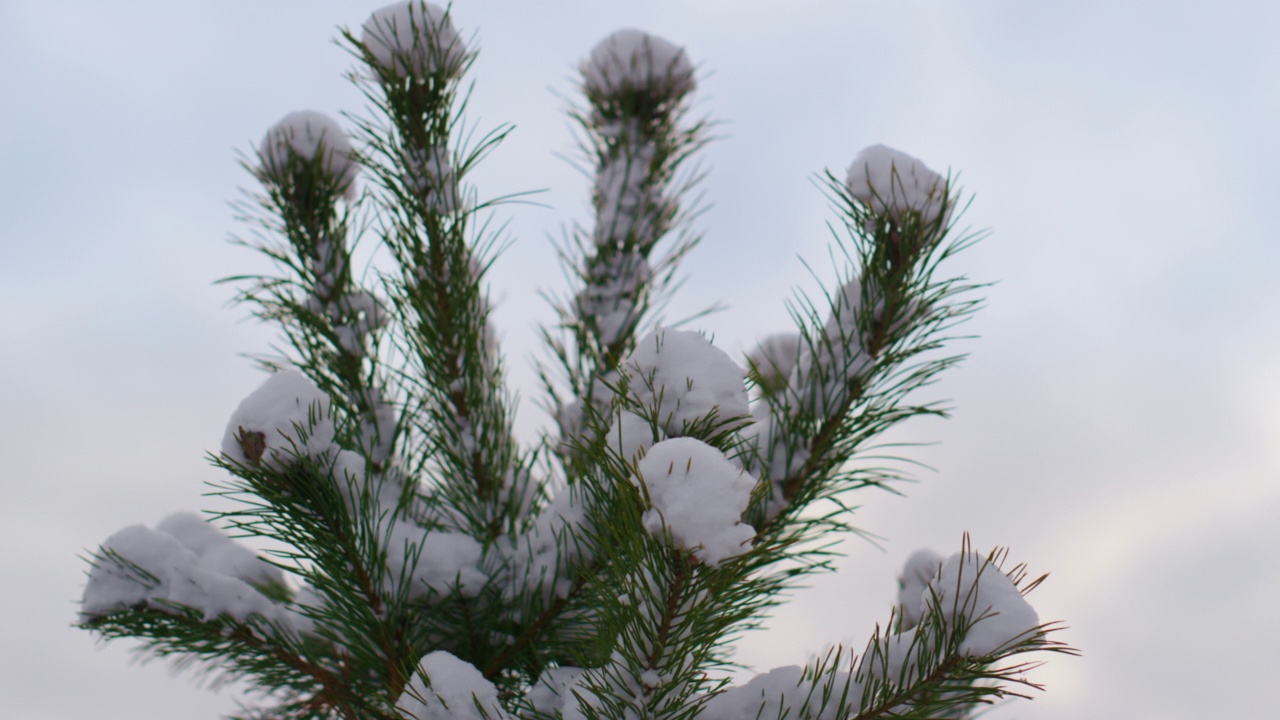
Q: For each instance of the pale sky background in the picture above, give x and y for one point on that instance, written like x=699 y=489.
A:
x=1117 y=425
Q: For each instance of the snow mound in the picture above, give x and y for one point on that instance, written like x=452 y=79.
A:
x=682 y=378
x=217 y=551
x=921 y=568
x=631 y=436
x=967 y=591
x=970 y=585
x=635 y=60
x=545 y=555
x=437 y=560
x=553 y=692
x=179 y=564
x=892 y=182
x=430 y=171
x=698 y=496
x=627 y=197
x=611 y=292
x=306 y=133
x=779 y=693
x=446 y=688
x=287 y=416
x=414 y=38
x=829 y=361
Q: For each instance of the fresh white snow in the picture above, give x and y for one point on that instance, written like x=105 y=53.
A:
x=545 y=554
x=217 y=552
x=306 y=133
x=680 y=378
x=890 y=181
x=830 y=360
x=446 y=688
x=698 y=496
x=436 y=560
x=553 y=691
x=970 y=585
x=414 y=38
x=969 y=591
x=431 y=173
x=779 y=693
x=920 y=569
x=179 y=564
x=631 y=436
x=634 y=59
x=626 y=195
x=288 y=415
x=775 y=357
x=610 y=294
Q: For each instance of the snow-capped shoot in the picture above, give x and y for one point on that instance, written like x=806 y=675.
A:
x=634 y=60
x=286 y=417
x=680 y=377
x=414 y=38
x=446 y=688
x=305 y=134
x=999 y=617
x=891 y=182
x=698 y=496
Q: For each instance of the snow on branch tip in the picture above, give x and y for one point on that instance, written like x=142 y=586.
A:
x=304 y=135
x=634 y=60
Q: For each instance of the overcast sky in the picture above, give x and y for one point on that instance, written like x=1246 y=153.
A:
x=1117 y=423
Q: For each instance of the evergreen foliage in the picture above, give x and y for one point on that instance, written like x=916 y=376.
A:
x=424 y=564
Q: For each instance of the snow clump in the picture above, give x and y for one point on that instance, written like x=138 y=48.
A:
x=288 y=416
x=613 y=287
x=891 y=182
x=970 y=585
x=770 y=453
x=183 y=562
x=774 y=358
x=437 y=560
x=546 y=554
x=414 y=38
x=682 y=379
x=430 y=172
x=779 y=693
x=635 y=60
x=631 y=436
x=305 y=134
x=921 y=568
x=698 y=496
x=553 y=692
x=446 y=688
x=967 y=589
x=218 y=552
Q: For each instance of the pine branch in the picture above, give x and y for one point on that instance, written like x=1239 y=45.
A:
x=457 y=404
x=859 y=355
x=636 y=138
x=329 y=320
x=338 y=551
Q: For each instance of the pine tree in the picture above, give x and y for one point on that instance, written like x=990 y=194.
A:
x=422 y=563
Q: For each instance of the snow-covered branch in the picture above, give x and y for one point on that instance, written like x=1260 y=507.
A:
x=635 y=137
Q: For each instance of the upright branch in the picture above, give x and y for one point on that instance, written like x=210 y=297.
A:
x=635 y=136
x=458 y=405
x=829 y=390
x=303 y=221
